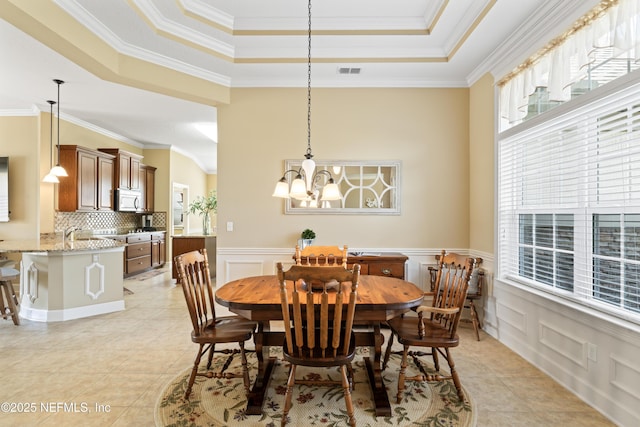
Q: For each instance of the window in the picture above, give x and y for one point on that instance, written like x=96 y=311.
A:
x=598 y=48
x=546 y=249
x=616 y=260
x=569 y=202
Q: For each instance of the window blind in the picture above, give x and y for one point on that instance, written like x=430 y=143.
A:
x=569 y=203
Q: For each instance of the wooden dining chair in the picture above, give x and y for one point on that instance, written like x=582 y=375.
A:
x=318 y=325
x=321 y=256
x=9 y=304
x=435 y=327
x=476 y=283
x=209 y=330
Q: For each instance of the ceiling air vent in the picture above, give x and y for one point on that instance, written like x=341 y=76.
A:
x=348 y=70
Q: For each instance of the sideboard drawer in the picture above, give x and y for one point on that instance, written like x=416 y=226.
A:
x=387 y=269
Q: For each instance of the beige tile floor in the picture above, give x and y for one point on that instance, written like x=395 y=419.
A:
x=113 y=367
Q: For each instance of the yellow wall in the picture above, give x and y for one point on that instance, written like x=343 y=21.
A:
x=73 y=134
x=161 y=160
x=481 y=167
x=427 y=129
x=185 y=171
x=20 y=140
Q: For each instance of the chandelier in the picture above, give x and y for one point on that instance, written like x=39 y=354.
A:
x=308 y=182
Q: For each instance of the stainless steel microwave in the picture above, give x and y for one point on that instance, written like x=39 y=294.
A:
x=128 y=200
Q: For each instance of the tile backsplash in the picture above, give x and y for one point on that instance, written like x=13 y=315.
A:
x=120 y=221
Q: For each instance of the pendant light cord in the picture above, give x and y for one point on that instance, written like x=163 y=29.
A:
x=58 y=82
x=309 y=155
x=51 y=103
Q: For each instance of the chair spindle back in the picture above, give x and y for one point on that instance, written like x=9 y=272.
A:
x=452 y=283
x=325 y=256
x=315 y=309
x=194 y=275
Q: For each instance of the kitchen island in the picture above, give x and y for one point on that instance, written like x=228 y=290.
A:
x=64 y=280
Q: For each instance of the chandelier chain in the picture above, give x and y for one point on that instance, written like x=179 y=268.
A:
x=309 y=155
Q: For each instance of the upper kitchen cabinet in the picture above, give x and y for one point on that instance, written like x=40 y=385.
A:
x=147 y=187
x=127 y=168
x=89 y=186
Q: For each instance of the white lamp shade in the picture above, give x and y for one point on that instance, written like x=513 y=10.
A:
x=298 y=189
x=331 y=192
x=50 y=178
x=282 y=190
x=58 y=170
x=308 y=166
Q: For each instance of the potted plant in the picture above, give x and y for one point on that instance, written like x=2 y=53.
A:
x=306 y=237
x=204 y=206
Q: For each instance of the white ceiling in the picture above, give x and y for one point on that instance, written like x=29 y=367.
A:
x=259 y=43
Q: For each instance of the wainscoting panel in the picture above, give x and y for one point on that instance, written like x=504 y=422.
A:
x=588 y=352
x=564 y=343
x=515 y=318
x=625 y=375
x=237 y=269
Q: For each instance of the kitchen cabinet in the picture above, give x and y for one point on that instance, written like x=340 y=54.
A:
x=89 y=186
x=127 y=168
x=137 y=254
x=147 y=188
x=158 y=249
x=144 y=251
x=184 y=244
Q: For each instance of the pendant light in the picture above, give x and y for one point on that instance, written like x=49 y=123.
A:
x=58 y=170
x=307 y=181
x=50 y=177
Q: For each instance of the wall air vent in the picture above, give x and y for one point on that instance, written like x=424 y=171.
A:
x=348 y=70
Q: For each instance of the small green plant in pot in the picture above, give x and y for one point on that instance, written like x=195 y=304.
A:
x=307 y=237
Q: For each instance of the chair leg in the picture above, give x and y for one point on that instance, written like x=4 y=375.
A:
x=288 y=395
x=387 y=352
x=475 y=320
x=12 y=302
x=212 y=350
x=401 y=375
x=436 y=362
x=194 y=371
x=245 y=369
x=347 y=396
x=351 y=376
x=454 y=375
x=3 y=307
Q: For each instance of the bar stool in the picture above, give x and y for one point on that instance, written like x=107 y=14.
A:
x=8 y=295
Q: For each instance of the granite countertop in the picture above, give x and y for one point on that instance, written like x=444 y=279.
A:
x=185 y=236
x=58 y=245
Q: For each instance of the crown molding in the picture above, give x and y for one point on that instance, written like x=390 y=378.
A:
x=549 y=20
x=80 y=14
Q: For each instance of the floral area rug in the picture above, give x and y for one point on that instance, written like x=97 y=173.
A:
x=222 y=402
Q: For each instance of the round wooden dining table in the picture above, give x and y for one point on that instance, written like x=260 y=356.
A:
x=379 y=299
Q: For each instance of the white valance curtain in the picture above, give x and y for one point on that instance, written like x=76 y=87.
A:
x=616 y=31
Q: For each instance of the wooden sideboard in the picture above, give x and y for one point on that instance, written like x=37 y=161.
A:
x=184 y=244
x=385 y=264
x=390 y=264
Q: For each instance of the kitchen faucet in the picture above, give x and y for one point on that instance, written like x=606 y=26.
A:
x=70 y=233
